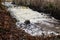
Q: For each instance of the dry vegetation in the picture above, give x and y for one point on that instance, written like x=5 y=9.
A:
x=37 y=2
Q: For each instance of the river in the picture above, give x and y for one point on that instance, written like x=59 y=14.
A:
x=40 y=22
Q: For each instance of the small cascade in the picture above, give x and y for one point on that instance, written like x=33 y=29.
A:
x=39 y=23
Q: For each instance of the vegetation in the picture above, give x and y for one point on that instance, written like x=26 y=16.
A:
x=0 y=1
x=53 y=10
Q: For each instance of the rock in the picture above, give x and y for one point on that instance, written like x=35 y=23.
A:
x=27 y=22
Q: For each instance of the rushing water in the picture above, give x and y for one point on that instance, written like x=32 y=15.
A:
x=40 y=22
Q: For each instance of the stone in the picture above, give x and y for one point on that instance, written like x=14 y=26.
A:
x=27 y=22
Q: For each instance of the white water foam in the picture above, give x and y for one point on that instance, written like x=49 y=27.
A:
x=24 y=13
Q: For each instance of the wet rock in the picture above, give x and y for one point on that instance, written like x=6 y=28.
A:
x=27 y=22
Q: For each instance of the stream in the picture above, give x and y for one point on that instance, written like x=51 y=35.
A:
x=40 y=23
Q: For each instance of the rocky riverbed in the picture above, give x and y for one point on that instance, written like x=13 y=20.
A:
x=15 y=28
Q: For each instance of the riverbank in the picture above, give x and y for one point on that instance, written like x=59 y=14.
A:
x=49 y=9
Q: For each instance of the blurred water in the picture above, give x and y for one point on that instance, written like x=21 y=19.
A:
x=46 y=24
